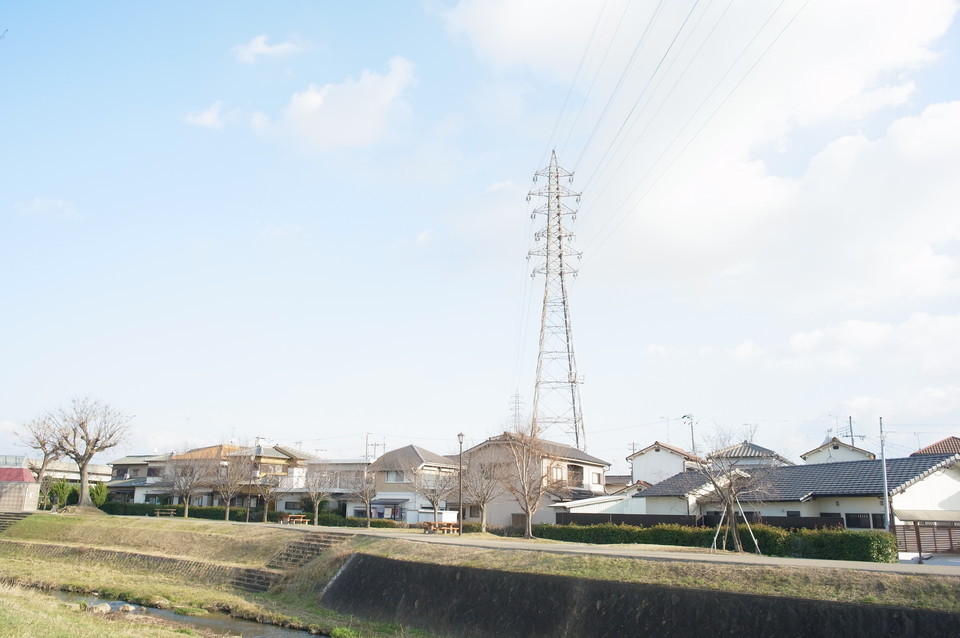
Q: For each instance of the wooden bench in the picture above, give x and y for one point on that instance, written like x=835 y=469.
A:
x=439 y=527
x=295 y=519
x=165 y=512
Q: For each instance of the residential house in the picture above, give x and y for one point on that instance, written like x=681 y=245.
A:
x=133 y=476
x=572 y=474
x=278 y=475
x=833 y=450
x=851 y=492
x=613 y=483
x=145 y=478
x=747 y=454
x=337 y=478
x=396 y=475
x=659 y=460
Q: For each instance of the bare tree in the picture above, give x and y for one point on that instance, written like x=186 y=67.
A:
x=188 y=475
x=232 y=477
x=732 y=482
x=363 y=483
x=435 y=485
x=529 y=477
x=40 y=435
x=483 y=479
x=319 y=484
x=268 y=488
x=85 y=428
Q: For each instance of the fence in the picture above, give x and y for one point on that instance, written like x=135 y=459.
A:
x=934 y=539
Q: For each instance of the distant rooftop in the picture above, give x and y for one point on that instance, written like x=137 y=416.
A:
x=949 y=445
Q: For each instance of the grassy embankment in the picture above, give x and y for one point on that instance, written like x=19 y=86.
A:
x=32 y=562
x=295 y=604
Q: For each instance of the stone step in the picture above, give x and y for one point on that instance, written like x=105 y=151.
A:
x=304 y=550
x=255 y=580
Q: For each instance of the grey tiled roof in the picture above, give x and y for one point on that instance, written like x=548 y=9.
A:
x=747 y=450
x=802 y=482
x=556 y=450
x=410 y=457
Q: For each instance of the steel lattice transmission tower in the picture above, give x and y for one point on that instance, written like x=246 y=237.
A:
x=556 y=398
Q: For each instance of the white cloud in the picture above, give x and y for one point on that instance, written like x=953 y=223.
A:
x=211 y=117
x=524 y=32
x=354 y=113
x=924 y=344
x=907 y=407
x=48 y=207
x=425 y=238
x=258 y=47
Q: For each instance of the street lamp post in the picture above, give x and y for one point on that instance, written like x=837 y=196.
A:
x=460 y=477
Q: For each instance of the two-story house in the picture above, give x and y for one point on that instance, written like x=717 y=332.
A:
x=570 y=473
x=397 y=474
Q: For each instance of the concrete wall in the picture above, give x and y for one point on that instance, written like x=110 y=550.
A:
x=465 y=602
x=19 y=497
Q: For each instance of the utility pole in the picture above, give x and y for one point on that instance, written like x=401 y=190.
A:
x=693 y=444
x=887 y=519
x=556 y=397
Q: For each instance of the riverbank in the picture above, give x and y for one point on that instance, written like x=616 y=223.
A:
x=86 y=553
x=28 y=612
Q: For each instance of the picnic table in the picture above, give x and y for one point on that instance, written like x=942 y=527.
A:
x=171 y=511
x=440 y=527
x=295 y=519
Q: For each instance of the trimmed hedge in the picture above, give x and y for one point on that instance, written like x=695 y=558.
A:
x=831 y=544
x=148 y=509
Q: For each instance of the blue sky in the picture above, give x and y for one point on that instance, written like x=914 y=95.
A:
x=308 y=222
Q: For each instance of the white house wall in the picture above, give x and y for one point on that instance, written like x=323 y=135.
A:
x=653 y=466
x=667 y=505
x=829 y=455
x=939 y=491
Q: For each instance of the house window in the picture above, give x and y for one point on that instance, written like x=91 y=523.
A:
x=574 y=476
x=793 y=512
x=858 y=521
x=473 y=511
x=134 y=472
x=597 y=479
x=879 y=521
x=396 y=476
x=292 y=506
x=831 y=515
x=557 y=473
x=154 y=471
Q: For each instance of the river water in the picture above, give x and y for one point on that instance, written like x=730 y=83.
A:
x=220 y=623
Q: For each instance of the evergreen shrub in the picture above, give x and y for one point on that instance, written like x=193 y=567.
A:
x=831 y=543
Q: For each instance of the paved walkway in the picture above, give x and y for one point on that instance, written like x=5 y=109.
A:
x=942 y=565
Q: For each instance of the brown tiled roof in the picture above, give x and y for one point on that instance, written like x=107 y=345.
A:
x=949 y=445
x=16 y=475
x=211 y=452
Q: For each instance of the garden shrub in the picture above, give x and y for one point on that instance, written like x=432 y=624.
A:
x=833 y=544
x=840 y=544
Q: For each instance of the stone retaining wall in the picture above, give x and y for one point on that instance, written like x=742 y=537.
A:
x=466 y=602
